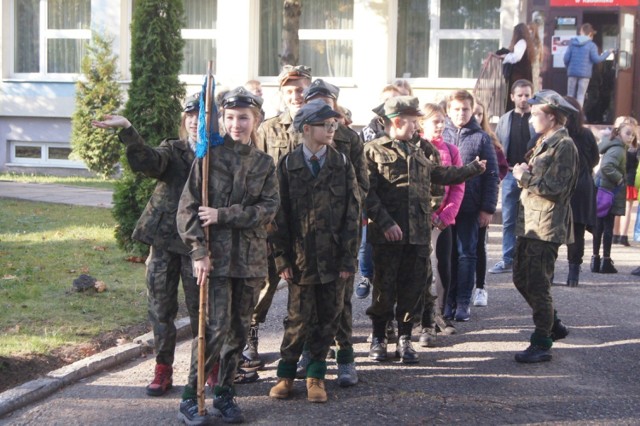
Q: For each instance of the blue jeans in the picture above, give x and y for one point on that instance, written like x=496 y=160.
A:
x=466 y=257
x=577 y=87
x=510 y=201
x=365 y=256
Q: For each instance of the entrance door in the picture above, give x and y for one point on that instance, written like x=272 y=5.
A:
x=624 y=63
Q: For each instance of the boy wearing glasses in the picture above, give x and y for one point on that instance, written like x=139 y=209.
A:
x=315 y=244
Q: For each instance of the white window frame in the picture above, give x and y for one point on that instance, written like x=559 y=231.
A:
x=201 y=34
x=45 y=35
x=44 y=160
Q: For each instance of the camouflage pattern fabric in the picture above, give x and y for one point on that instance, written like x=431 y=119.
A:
x=277 y=136
x=267 y=290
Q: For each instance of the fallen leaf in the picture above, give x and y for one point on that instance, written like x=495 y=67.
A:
x=100 y=286
x=9 y=277
x=100 y=248
x=135 y=259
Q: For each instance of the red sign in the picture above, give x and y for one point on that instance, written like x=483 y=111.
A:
x=592 y=3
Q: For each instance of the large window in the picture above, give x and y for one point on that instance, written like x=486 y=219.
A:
x=199 y=35
x=41 y=154
x=326 y=37
x=445 y=38
x=50 y=36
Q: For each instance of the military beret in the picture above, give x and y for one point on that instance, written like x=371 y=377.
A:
x=192 y=103
x=321 y=88
x=241 y=98
x=290 y=72
x=554 y=100
x=402 y=105
x=313 y=112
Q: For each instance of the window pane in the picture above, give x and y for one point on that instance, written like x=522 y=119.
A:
x=327 y=58
x=326 y=14
x=463 y=58
x=270 y=36
x=69 y=14
x=27 y=36
x=65 y=55
x=196 y=55
x=470 y=14
x=414 y=27
x=201 y=14
x=59 y=153
x=29 y=152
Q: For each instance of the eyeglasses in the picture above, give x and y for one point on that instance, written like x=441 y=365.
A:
x=328 y=125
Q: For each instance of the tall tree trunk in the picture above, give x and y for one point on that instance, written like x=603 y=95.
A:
x=290 y=25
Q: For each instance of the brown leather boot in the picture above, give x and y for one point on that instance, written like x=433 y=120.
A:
x=315 y=390
x=162 y=381
x=282 y=389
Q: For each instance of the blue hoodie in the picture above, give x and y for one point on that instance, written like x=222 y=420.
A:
x=581 y=55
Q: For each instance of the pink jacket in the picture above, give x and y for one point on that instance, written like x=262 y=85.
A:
x=453 y=194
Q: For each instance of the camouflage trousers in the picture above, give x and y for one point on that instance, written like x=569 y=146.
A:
x=533 y=266
x=345 y=320
x=164 y=271
x=267 y=291
x=306 y=303
x=399 y=282
x=231 y=302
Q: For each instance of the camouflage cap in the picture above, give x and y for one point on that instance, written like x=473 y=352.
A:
x=241 y=98
x=290 y=72
x=320 y=87
x=554 y=100
x=313 y=112
x=402 y=105
x=192 y=103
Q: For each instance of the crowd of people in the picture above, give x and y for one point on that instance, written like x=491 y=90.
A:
x=405 y=204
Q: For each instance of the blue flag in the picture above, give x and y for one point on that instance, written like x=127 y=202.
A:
x=212 y=137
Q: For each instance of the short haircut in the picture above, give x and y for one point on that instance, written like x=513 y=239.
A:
x=521 y=83
x=587 y=29
x=459 y=95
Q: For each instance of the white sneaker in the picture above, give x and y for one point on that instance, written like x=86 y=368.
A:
x=501 y=268
x=480 y=299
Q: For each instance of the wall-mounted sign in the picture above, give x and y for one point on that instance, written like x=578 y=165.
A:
x=566 y=20
x=592 y=3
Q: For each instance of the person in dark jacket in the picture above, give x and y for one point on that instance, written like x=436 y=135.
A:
x=168 y=260
x=579 y=59
x=621 y=227
x=521 y=57
x=583 y=201
x=479 y=202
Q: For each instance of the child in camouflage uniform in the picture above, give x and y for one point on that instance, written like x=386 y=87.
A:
x=315 y=244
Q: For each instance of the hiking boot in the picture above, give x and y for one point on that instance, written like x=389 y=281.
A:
x=244 y=376
x=225 y=406
x=463 y=312
x=347 y=374
x=188 y=413
x=534 y=353
x=378 y=349
x=595 y=263
x=212 y=379
x=501 y=268
x=390 y=331
x=444 y=326
x=301 y=368
x=428 y=337
x=607 y=266
x=364 y=288
x=405 y=351
x=624 y=240
x=282 y=389
x=559 y=330
x=315 y=390
x=162 y=381
x=481 y=297
x=250 y=355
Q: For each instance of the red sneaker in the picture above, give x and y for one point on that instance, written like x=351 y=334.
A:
x=162 y=381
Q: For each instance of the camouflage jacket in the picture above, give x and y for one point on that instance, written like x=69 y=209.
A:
x=169 y=163
x=545 y=212
x=349 y=143
x=244 y=188
x=318 y=220
x=400 y=179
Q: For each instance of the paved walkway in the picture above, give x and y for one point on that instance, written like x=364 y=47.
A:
x=62 y=194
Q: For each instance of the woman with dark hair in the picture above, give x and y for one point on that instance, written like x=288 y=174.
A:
x=548 y=180
x=521 y=56
x=583 y=201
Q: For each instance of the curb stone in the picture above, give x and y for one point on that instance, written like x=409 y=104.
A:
x=38 y=389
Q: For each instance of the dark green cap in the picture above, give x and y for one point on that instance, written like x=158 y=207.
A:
x=321 y=88
x=313 y=112
x=402 y=105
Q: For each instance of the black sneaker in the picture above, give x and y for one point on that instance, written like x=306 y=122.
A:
x=225 y=406
x=534 y=354
x=428 y=337
x=363 y=289
x=188 y=414
x=378 y=349
x=559 y=330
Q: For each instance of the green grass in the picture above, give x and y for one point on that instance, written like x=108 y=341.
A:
x=43 y=248
x=60 y=180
